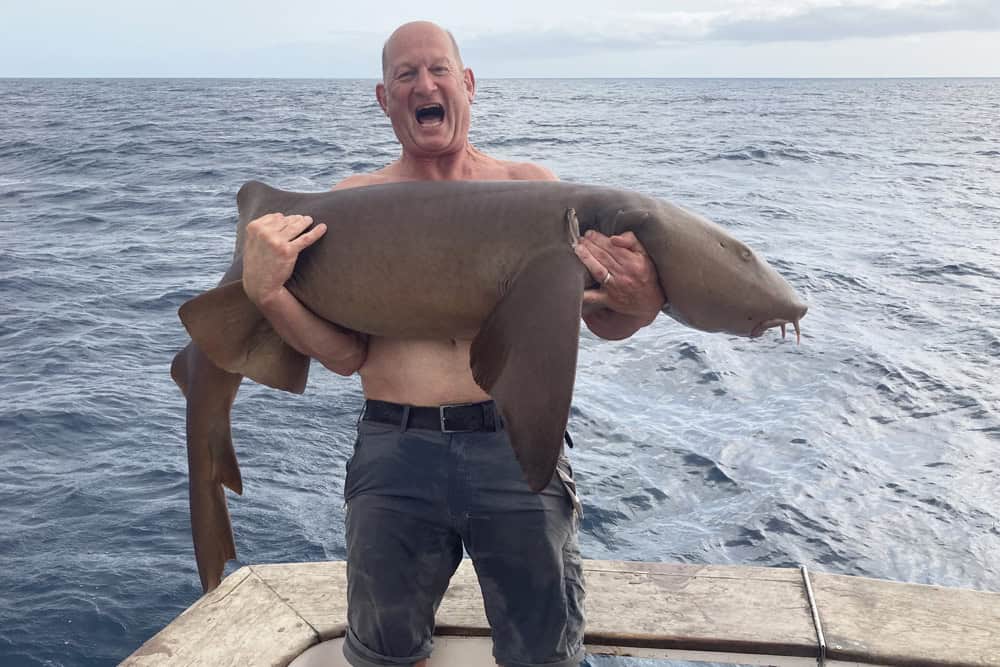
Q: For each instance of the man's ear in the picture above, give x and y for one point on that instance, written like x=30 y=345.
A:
x=380 y=96
x=470 y=83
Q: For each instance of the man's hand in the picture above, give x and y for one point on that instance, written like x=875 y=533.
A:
x=273 y=243
x=629 y=296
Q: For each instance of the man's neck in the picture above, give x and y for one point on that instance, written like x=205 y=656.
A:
x=460 y=165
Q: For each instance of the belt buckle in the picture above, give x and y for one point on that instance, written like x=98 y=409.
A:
x=442 y=416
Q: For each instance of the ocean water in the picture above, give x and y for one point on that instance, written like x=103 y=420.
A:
x=871 y=448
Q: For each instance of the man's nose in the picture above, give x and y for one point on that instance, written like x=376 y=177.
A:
x=425 y=82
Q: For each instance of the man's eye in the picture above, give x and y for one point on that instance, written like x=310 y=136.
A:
x=406 y=74
x=440 y=69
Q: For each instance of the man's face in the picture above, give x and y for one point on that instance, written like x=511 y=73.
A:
x=426 y=93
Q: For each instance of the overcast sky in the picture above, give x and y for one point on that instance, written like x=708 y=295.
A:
x=668 y=38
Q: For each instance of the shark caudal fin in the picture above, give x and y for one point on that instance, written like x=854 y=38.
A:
x=525 y=357
x=236 y=336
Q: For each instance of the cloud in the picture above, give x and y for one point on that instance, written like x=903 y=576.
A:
x=847 y=21
x=760 y=23
x=545 y=44
x=566 y=36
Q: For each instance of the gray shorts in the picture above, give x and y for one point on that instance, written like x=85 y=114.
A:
x=414 y=498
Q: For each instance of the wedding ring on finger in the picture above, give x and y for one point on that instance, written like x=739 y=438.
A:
x=607 y=278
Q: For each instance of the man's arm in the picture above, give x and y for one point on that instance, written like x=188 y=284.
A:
x=272 y=245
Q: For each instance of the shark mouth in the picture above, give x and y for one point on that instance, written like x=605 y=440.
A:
x=430 y=114
x=767 y=324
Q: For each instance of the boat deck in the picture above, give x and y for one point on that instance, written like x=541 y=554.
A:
x=271 y=614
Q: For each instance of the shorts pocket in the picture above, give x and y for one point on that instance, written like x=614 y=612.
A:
x=368 y=435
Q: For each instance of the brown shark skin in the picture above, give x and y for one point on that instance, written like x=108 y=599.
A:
x=457 y=260
x=211 y=459
x=210 y=392
x=712 y=281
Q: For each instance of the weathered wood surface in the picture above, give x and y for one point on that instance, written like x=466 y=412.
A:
x=698 y=607
x=907 y=624
x=269 y=614
x=242 y=622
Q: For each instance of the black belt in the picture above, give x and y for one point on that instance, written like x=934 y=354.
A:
x=460 y=418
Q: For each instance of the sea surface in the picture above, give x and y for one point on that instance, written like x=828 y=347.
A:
x=871 y=448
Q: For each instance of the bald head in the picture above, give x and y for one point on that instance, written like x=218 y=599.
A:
x=416 y=29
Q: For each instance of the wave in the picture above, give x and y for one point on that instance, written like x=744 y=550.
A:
x=766 y=155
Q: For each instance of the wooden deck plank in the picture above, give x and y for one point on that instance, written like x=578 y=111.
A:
x=889 y=623
x=317 y=592
x=742 y=609
x=240 y=623
x=699 y=607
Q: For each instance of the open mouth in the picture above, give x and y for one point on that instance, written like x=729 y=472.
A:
x=430 y=114
x=767 y=324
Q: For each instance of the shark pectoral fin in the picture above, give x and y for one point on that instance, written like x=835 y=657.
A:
x=525 y=357
x=236 y=336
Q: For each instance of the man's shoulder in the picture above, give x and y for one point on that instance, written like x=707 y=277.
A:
x=529 y=171
x=522 y=171
x=361 y=180
x=490 y=168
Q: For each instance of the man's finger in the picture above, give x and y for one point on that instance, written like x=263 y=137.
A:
x=599 y=240
x=595 y=268
x=294 y=225
x=601 y=253
x=265 y=223
x=594 y=299
x=628 y=240
x=308 y=238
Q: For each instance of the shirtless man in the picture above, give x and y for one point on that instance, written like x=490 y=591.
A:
x=425 y=480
